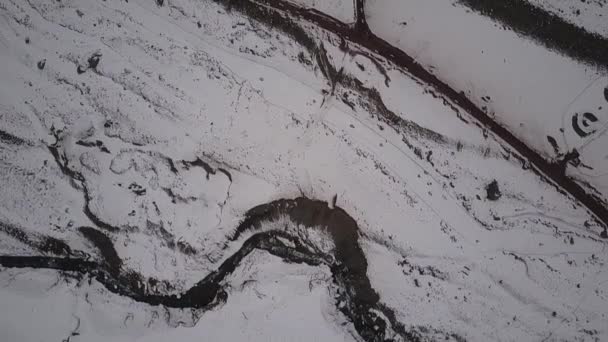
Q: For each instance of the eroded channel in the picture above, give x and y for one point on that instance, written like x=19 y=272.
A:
x=355 y=298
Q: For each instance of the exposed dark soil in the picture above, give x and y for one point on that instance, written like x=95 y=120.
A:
x=356 y=298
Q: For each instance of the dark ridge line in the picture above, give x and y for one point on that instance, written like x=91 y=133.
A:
x=42 y=243
x=11 y=139
x=262 y=10
x=546 y=28
x=355 y=297
x=209 y=170
x=225 y=172
x=198 y=162
x=97 y=143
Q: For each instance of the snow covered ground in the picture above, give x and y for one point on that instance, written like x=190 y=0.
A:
x=343 y=10
x=540 y=95
x=591 y=15
x=136 y=137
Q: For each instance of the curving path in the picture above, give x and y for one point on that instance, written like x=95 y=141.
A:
x=359 y=302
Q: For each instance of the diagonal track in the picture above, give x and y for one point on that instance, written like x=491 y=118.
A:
x=355 y=297
x=273 y=13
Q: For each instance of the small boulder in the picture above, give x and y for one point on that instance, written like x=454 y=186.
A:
x=93 y=61
x=493 y=192
x=81 y=70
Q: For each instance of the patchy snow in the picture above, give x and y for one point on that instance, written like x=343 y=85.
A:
x=259 y=307
x=343 y=10
x=532 y=91
x=591 y=15
x=196 y=114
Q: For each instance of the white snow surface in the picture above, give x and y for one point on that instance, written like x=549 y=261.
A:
x=532 y=91
x=249 y=99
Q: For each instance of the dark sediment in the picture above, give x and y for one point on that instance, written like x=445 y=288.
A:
x=492 y=191
x=355 y=298
x=106 y=248
x=10 y=139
